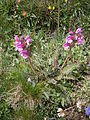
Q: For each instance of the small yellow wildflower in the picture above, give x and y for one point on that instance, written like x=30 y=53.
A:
x=24 y=13
x=45 y=118
x=53 y=7
x=49 y=7
x=66 y=1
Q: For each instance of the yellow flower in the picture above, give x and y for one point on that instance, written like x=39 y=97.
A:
x=53 y=7
x=66 y=1
x=24 y=13
x=45 y=118
x=49 y=7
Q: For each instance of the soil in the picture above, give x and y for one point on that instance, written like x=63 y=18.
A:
x=74 y=115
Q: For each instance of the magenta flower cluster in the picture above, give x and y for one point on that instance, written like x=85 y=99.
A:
x=22 y=45
x=72 y=38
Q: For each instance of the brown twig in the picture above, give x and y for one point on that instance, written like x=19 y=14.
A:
x=69 y=108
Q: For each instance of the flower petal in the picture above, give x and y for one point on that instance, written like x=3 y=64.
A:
x=66 y=46
x=16 y=38
x=79 y=41
x=24 y=54
x=71 y=32
x=22 y=37
x=79 y=30
x=87 y=111
x=28 y=40
x=69 y=39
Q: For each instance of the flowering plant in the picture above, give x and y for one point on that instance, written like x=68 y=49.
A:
x=87 y=111
x=60 y=112
x=22 y=45
x=73 y=38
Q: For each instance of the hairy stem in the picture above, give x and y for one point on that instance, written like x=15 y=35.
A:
x=30 y=62
x=66 y=58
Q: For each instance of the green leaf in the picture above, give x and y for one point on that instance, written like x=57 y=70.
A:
x=62 y=102
x=46 y=95
x=68 y=69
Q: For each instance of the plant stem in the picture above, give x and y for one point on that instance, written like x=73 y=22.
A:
x=32 y=66
x=58 y=16
x=66 y=58
x=69 y=108
x=37 y=73
x=72 y=59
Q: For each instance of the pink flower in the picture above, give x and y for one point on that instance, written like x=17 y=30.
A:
x=19 y=47
x=22 y=45
x=22 y=38
x=79 y=38
x=66 y=46
x=18 y=44
x=71 y=33
x=24 y=54
x=79 y=41
x=28 y=40
x=16 y=38
x=79 y=30
x=69 y=39
x=79 y=35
